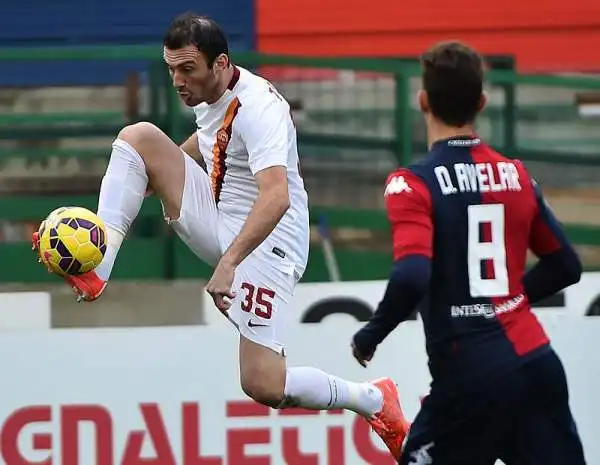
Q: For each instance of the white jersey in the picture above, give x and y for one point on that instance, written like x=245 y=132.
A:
x=247 y=130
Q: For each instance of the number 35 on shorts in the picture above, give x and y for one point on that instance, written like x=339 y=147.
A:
x=257 y=300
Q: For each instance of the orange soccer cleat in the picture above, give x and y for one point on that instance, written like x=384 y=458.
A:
x=87 y=286
x=390 y=423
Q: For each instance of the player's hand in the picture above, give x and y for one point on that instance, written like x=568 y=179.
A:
x=219 y=286
x=362 y=358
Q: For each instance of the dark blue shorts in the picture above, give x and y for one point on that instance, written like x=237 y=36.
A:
x=521 y=418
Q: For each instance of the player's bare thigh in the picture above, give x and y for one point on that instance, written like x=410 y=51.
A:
x=261 y=310
x=262 y=372
x=164 y=163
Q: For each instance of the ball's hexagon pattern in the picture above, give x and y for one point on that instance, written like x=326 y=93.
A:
x=72 y=240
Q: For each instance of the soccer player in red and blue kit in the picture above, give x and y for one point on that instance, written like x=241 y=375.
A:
x=463 y=219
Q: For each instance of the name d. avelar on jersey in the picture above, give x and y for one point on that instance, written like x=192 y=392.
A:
x=478 y=177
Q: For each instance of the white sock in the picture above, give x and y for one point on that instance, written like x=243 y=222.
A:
x=314 y=389
x=121 y=196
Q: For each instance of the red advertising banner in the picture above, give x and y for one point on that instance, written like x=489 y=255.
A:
x=543 y=35
x=109 y=448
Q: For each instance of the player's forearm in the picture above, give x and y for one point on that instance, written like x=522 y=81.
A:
x=552 y=273
x=268 y=209
x=407 y=286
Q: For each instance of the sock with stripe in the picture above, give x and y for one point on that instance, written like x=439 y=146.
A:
x=121 y=195
x=313 y=389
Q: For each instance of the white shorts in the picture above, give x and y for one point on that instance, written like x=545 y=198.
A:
x=262 y=291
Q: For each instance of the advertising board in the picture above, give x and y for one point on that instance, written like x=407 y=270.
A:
x=170 y=396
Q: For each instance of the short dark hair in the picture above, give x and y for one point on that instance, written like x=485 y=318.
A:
x=453 y=79
x=197 y=30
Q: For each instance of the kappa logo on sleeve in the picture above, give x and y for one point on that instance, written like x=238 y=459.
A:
x=397 y=185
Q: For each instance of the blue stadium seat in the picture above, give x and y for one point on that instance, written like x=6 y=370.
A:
x=98 y=22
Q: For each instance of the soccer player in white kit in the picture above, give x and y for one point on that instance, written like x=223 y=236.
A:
x=246 y=214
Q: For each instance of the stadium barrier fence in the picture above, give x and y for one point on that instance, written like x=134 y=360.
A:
x=356 y=120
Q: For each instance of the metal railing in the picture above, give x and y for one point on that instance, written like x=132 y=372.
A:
x=356 y=120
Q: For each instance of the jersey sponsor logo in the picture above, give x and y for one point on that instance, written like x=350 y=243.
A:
x=466 y=311
x=478 y=177
x=487 y=310
x=397 y=185
x=510 y=305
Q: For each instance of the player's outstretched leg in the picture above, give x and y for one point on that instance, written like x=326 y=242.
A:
x=377 y=401
x=141 y=153
x=266 y=379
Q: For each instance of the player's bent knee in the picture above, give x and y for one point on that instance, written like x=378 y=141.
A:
x=138 y=133
x=148 y=140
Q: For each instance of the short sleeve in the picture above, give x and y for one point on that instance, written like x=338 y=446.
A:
x=263 y=127
x=408 y=205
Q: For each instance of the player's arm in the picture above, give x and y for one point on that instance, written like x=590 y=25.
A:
x=264 y=131
x=559 y=265
x=191 y=147
x=409 y=212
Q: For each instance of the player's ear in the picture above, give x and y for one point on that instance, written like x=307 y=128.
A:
x=423 y=101
x=221 y=62
x=482 y=101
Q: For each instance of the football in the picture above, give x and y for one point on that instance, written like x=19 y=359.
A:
x=72 y=240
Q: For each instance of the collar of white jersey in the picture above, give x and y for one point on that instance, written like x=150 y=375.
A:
x=235 y=77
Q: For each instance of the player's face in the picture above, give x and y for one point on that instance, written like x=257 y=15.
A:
x=194 y=81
